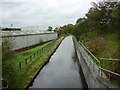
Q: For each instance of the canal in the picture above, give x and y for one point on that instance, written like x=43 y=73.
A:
x=62 y=70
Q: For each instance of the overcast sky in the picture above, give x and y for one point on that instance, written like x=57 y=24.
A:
x=23 y=13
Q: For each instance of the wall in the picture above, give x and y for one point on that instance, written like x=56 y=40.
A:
x=28 y=40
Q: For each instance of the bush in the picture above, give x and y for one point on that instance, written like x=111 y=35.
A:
x=8 y=69
x=41 y=41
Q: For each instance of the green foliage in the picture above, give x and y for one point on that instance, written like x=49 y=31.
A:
x=11 y=29
x=49 y=28
x=103 y=17
x=8 y=70
x=7 y=44
x=19 y=78
x=41 y=41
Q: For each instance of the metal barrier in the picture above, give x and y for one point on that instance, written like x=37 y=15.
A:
x=90 y=58
x=95 y=63
x=110 y=66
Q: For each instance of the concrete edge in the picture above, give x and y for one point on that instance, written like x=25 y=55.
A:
x=94 y=74
x=37 y=72
x=103 y=80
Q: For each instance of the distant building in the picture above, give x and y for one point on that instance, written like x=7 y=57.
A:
x=28 y=38
x=38 y=27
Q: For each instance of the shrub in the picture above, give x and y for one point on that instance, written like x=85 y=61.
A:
x=41 y=41
x=8 y=69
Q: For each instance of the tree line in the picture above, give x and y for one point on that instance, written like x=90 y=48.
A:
x=103 y=17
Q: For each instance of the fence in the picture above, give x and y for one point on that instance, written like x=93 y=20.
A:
x=34 y=55
x=95 y=63
x=110 y=66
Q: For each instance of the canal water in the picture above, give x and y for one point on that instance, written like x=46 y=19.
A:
x=62 y=70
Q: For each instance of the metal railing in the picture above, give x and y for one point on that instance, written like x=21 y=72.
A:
x=110 y=66
x=95 y=63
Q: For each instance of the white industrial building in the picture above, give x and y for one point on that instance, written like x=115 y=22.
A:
x=26 y=38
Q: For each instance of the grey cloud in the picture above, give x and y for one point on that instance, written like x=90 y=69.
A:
x=44 y=12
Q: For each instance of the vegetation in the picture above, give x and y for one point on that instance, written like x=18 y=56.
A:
x=49 y=28
x=19 y=77
x=99 y=31
x=7 y=53
x=11 y=29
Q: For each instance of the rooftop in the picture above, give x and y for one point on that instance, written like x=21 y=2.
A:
x=25 y=32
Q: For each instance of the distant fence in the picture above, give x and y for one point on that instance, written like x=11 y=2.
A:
x=34 y=55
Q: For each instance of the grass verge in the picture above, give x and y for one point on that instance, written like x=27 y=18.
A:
x=106 y=46
x=24 y=75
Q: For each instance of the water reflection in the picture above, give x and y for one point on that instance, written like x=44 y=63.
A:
x=62 y=70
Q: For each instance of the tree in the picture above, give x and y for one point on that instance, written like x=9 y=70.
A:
x=100 y=16
x=80 y=20
x=8 y=69
x=49 y=28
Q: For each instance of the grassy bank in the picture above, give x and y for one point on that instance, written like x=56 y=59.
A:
x=106 y=46
x=22 y=76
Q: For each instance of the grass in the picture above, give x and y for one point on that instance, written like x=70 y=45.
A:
x=109 y=50
x=22 y=55
x=111 y=46
x=23 y=76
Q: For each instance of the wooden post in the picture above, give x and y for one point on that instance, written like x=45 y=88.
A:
x=34 y=55
x=26 y=61
x=42 y=49
x=30 y=58
x=19 y=65
x=37 y=53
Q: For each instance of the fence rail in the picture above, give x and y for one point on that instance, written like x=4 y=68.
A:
x=109 y=59
x=34 y=55
x=95 y=63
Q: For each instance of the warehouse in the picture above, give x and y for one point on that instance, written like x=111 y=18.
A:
x=26 y=38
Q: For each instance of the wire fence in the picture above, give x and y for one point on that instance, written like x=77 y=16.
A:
x=30 y=58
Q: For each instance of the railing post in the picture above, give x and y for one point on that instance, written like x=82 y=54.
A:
x=26 y=61
x=93 y=66
x=101 y=67
x=30 y=58
x=37 y=53
x=19 y=65
x=42 y=49
x=34 y=55
x=110 y=68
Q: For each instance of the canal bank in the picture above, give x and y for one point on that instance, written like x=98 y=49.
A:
x=58 y=42
x=62 y=71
